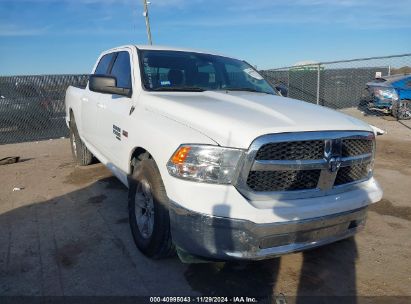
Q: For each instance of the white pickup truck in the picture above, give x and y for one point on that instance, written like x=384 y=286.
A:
x=218 y=165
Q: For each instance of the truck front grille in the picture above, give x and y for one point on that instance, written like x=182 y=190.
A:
x=283 y=180
x=304 y=162
x=351 y=174
x=356 y=146
x=292 y=150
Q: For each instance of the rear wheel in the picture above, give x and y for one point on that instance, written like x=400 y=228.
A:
x=82 y=156
x=148 y=211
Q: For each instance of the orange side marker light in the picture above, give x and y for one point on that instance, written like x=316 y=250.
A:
x=180 y=156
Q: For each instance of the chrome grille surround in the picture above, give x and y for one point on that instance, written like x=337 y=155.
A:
x=329 y=165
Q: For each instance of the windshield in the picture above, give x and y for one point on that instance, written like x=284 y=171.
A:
x=187 y=71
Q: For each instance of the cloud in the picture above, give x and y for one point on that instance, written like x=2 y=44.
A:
x=64 y=17
x=9 y=30
x=16 y=31
x=353 y=14
x=68 y=1
x=180 y=4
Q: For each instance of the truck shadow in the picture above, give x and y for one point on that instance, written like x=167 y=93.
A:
x=329 y=271
x=80 y=244
x=253 y=279
x=325 y=273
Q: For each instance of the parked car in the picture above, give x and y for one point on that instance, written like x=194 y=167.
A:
x=24 y=105
x=217 y=164
x=390 y=94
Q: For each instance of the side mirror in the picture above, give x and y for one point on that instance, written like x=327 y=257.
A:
x=106 y=84
x=283 y=91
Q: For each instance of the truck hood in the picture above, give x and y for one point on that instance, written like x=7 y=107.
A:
x=235 y=119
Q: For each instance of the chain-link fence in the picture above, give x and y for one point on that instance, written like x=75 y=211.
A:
x=32 y=107
x=377 y=86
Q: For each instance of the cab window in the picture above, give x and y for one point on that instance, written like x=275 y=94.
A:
x=122 y=70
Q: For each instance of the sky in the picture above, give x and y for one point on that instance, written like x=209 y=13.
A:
x=66 y=36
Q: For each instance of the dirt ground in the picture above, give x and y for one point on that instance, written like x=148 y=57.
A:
x=66 y=233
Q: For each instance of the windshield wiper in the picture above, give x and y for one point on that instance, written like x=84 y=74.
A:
x=180 y=89
x=245 y=89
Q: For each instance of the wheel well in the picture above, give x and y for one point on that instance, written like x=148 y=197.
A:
x=138 y=155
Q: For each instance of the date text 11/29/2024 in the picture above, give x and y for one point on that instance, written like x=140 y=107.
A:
x=203 y=299
x=214 y=299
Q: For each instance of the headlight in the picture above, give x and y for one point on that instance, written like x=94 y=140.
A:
x=203 y=163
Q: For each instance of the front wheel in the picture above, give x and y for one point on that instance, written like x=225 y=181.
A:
x=402 y=109
x=148 y=211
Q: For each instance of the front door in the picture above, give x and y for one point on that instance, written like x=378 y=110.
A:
x=92 y=107
x=114 y=126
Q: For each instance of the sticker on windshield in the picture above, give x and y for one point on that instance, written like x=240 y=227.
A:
x=165 y=82
x=253 y=73
x=211 y=77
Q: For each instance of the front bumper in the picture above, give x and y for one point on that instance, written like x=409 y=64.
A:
x=380 y=104
x=222 y=238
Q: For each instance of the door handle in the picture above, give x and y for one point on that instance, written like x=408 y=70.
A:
x=100 y=105
x=84 y=99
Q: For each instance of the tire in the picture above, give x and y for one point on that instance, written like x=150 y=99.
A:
x=401 y=109
x=81 y=155
x=394 y=109
x=148 y=211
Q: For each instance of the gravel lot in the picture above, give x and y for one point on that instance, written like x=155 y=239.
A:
x=66 y=233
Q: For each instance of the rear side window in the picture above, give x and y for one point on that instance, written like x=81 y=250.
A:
x=104 y=64
x=122 y=70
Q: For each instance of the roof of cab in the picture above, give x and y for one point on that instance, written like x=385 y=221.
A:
x=167 y=48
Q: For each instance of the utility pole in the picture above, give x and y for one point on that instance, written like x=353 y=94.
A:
x=145 y=14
